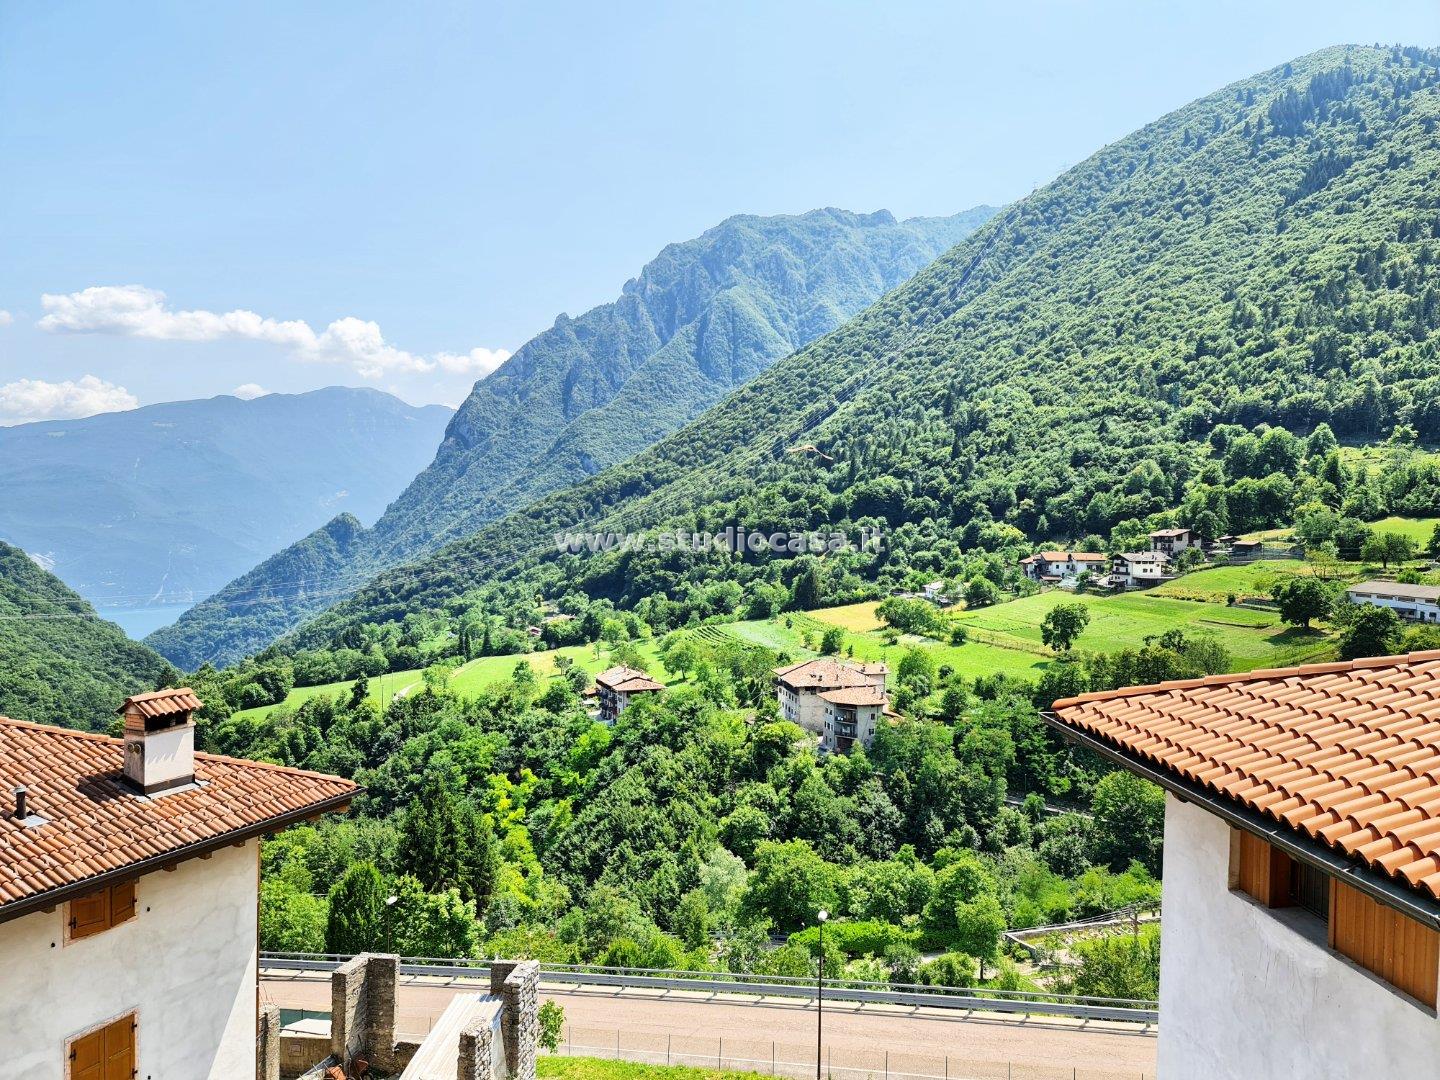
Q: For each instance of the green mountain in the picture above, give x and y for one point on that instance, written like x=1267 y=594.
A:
x=164 y=504
x=1267 y=255
x=703 y=317
x=63 y=664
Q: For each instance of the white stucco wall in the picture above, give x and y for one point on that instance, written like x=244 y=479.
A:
x=185 y=964
x=1244 y=995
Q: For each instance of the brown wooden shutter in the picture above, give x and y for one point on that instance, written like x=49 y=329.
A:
x=107 y=1053
x=87 y=1057
x=89 y=914
x=120 y=1049
x=1403 y=952
x=122 y=902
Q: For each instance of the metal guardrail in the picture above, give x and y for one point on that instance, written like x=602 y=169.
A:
x=961 y=998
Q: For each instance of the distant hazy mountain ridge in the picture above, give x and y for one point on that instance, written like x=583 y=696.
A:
x=703 y=317
x=168 y=502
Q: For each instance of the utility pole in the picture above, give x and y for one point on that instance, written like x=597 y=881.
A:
x=820 y=995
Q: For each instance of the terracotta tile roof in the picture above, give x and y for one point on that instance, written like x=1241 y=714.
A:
x=98 y=823
x=638 y=683
x=1162 y=534
x=855 y=695
x=614 y=678
x=821 y=674
x=1064 y=556
x=1346 y=754
x=162 y=702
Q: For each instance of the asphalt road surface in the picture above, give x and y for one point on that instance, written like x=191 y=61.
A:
x=745 y=1032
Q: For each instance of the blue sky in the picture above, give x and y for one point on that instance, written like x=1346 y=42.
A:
x=395 y=194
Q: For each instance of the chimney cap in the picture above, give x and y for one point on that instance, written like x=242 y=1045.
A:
x=160 y=703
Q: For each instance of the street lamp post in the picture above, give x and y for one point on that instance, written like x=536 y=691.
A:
x=820 y=995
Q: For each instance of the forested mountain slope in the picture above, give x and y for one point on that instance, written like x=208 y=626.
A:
x=166 y=503
x=1265 y=255
x=703 y=317
x=62 y=664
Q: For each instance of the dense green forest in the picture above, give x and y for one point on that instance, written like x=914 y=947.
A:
x=700 y=831
x=703 y=317
x=1155 y=336
x=63 y=664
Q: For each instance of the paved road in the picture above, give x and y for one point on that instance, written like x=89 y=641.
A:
x=743 y=1032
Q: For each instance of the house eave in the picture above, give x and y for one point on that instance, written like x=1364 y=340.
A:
x=58 y=895
x=1302 y=848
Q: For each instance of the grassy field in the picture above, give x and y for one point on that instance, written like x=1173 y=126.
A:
x=553 y=1067
x=857 y=618
x=1254 y=638
x=382 y=689
x=1251 y=580
x=1417 y=529
x=475 y=676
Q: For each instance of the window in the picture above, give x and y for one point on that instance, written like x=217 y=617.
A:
x=102 y=909
x=1385 y=942
x=107 y=1053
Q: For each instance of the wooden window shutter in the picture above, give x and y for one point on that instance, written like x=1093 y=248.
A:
x=87 y=1057
x=120 y=1049
x=89 y=914
x=108 y=1053
x=122 y=902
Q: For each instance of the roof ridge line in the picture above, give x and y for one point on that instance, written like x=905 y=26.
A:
x=1257 y=675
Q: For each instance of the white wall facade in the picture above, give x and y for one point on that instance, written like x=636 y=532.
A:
x=1416 y=608
x=1244 y=994
x=185 y=964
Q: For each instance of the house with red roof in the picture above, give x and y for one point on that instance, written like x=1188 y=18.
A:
x=129 y=893
x=618 y=686
x=1302 y=863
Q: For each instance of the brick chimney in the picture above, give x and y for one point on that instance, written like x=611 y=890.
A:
x=160 y=739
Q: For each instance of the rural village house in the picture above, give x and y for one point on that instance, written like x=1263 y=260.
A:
x=1418 y=602
x=1135 y=568
x=1170 y=542
x=840 y=701
x=1302 y=863
x=616 y=687
x=129 y=885
x=1057 y=566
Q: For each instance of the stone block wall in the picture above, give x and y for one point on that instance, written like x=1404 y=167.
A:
x=362 y=1012
x=476 y=1050
x=517 y=985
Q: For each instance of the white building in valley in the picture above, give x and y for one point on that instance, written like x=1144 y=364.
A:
x=801 y=688
x=1418 y=602
x=1135 y=568
x=1060 y=566
x=1302 y=864
x=129 y=888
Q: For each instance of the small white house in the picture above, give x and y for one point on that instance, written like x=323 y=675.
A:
x=129 y=889
x=1134 y=568
x=1058 y=567
x=1302 y=863
x=1170 y=542
x=1418 y=602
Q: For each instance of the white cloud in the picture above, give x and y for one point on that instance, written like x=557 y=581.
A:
x=478 y=362
x=136 y=311
x=34 y=399
x=249 y=391
x=6 y=318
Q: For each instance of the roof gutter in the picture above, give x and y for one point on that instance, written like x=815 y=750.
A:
x=52 y=897
x=1378 y=887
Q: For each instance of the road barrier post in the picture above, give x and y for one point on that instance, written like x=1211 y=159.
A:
x=667 y=1048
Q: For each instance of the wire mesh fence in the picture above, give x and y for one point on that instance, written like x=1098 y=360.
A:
x=798 y=1062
